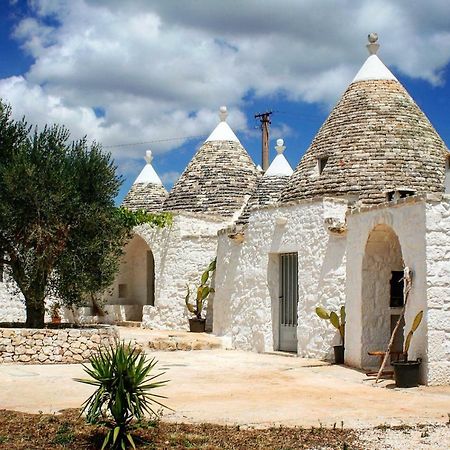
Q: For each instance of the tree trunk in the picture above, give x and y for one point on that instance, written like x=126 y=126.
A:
x=35 y=310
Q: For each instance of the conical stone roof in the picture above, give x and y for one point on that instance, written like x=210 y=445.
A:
x=270 y=185
x=218 y=179
x=147 y=191
x=375 y=140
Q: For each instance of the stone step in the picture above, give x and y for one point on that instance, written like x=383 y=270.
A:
x=168 y=340
x=130 y=324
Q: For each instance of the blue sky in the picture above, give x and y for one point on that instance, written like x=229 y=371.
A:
x=136 y=75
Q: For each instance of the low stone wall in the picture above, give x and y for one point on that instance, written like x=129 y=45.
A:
x=52 y=346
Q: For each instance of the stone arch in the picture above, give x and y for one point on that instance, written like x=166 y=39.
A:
x=135 y=283
x=382 y=258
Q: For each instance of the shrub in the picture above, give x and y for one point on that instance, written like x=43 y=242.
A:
x=124 y=392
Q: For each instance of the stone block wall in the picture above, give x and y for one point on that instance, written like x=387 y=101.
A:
x=438 y=290
x=247 y=287
x=181 y=254
x=366 y=283
x=12 y=304
x=52 y=346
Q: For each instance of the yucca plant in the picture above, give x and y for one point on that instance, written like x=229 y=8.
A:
x=124 y=394
x=338 y=322
x=203 y=291
x=416 y=322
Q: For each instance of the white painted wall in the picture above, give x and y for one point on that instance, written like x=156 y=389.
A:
x=247 y=278
x=382 y=256
x=127 y=303
x=438 y=290
x=181 y=253
x=12 y=303
x=407 y=220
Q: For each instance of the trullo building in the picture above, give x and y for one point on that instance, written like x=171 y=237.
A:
x=369 y=197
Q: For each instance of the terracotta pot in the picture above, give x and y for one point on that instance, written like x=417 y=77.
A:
x=197 y=325
x=56 y=319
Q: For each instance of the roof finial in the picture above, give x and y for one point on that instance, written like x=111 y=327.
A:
x=373 y=45
x=148 y=156
x=223 y=113
x=280 y=147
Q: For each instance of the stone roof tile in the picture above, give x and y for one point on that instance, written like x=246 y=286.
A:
x=375 y=140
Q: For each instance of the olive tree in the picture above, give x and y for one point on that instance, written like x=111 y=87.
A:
x=60 y=231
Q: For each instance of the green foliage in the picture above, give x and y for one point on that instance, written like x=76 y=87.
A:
x=416 y=322
x=64 y=435
x=130 y=219
x=203 y=291
x=122 y=376
x=56 y=197
x=60 y=231
x=338 y=321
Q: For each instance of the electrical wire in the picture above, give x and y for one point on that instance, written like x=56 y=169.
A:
x=130 y=144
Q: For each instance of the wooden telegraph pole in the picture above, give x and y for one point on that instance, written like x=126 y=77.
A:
x=264 y=118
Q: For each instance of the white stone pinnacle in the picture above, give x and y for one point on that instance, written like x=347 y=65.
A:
x=148 y=174
x=223 y=113
x=222 y=132
x=280 y=147
x=280 y=166
x=373 y=68
x=373 y=45
x=148 y=156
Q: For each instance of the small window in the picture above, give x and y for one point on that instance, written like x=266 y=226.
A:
x=321 y=163
x=397 y=284
x=401 y=193
x=122 y=290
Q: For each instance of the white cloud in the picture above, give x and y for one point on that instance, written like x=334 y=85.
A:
x=169 y=178
x=160 y=69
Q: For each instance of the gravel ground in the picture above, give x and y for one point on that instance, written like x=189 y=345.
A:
x=429 y=437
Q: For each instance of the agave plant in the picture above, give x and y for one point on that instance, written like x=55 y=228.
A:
x=338 y=322
x=203 y=290
x=124 y=392
x=416 y=322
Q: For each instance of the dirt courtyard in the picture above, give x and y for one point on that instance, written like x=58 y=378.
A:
x=249 y=389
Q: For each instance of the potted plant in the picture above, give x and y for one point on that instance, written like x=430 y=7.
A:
x=339 y=323
x=406 y=372
x=198 y=322
x=55 y=310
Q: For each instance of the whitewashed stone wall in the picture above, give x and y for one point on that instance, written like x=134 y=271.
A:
x=12 y=305
x=181 y=253
x=382 y=256
x=52 y=346
x=247 y=278
x=12 y=302
x=406 y=218
x=438 y=290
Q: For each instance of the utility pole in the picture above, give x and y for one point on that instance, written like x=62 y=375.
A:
x=264 y=118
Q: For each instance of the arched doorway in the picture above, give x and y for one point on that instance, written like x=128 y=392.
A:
x=381 y=294
x=135 y=285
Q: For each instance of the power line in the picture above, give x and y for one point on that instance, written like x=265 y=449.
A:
x=155 y=141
